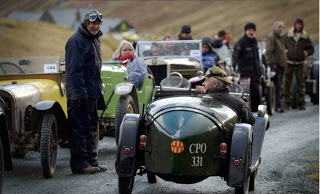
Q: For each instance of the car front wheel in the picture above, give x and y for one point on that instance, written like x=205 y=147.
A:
x=49 y=145
x=125 y=105
x=125 y=184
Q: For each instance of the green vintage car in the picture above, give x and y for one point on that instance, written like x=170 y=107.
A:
x=185 y=136
x=34 y=106
x=121 y=96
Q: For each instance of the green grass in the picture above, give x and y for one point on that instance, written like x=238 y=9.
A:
x=19 y=38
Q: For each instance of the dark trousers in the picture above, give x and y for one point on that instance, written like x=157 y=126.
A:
x=82 y=123
x=298 y=71
x=255 y=93
x=278 y=84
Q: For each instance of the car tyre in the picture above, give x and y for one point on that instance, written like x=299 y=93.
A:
x=253 y=178
x=49 y=145
x=125 y=184
x=1 y=166
x=125 y=105
x=152 y=178
x=245 y=188
x=271 y=99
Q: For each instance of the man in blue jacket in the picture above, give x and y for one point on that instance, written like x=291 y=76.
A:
x=84 y=88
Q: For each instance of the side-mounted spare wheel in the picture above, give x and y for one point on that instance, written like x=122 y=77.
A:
x=49 y=145
x=126 y=104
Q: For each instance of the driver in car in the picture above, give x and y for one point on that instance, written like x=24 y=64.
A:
x=216 y=83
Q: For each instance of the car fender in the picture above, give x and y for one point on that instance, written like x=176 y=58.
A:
x=51 y=107
x=126 y=163
x=241 y=138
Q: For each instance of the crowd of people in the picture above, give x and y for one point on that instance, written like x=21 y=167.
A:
x=285 y=54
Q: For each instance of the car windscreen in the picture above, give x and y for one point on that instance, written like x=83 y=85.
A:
x=29 y=65
x=175 y=48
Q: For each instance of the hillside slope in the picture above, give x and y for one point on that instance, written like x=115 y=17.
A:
x=23 y=38
x=207 y=17
x=155 y=18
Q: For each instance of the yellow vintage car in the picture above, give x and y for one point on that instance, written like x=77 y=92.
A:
x=33 y=106
x=32 y=97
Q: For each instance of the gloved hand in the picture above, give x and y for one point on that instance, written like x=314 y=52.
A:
x=84 y=105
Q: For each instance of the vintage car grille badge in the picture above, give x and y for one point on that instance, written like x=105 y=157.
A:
x=177 y=146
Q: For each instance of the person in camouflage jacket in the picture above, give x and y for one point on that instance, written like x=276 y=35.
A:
x=276 y=58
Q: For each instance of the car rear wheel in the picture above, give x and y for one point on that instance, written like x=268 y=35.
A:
x=125 y=105
x=152 y=178
x=125 y=184
x=245 y=188
x=253 y=178
x=49 y=145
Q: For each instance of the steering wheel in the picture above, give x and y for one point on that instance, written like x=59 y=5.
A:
x=12 y=64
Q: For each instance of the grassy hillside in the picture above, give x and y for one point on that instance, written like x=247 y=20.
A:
x=155 y=18
x=19 y=38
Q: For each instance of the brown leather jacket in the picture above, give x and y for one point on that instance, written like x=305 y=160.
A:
x=300 y=49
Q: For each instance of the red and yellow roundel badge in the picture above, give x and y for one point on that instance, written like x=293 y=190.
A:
x=177 y=146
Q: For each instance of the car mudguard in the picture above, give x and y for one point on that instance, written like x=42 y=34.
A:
x=126 y=163
x=53 y=107
x=259 y=128
x=241 y=138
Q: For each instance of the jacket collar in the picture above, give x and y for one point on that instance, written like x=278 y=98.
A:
x=291 y=33
x=83 y=30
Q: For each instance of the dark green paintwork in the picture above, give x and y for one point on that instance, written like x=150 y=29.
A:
x=191 y=121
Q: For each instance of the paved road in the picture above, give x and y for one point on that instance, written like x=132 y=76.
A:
x=290 y=156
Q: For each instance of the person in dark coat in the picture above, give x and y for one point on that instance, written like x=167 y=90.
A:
x=299 y=47
x=84 y=88
x=185 y=33
x=246 y=57
x=216 y=83
x=219 y=40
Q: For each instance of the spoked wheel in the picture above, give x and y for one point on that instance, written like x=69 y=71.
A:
x=49 y=145
x=125 y=184
x=152 y=178
x=245 y=188
x=125 y=105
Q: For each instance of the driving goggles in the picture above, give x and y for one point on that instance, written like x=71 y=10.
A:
x=210 y=73
x=93 y=17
